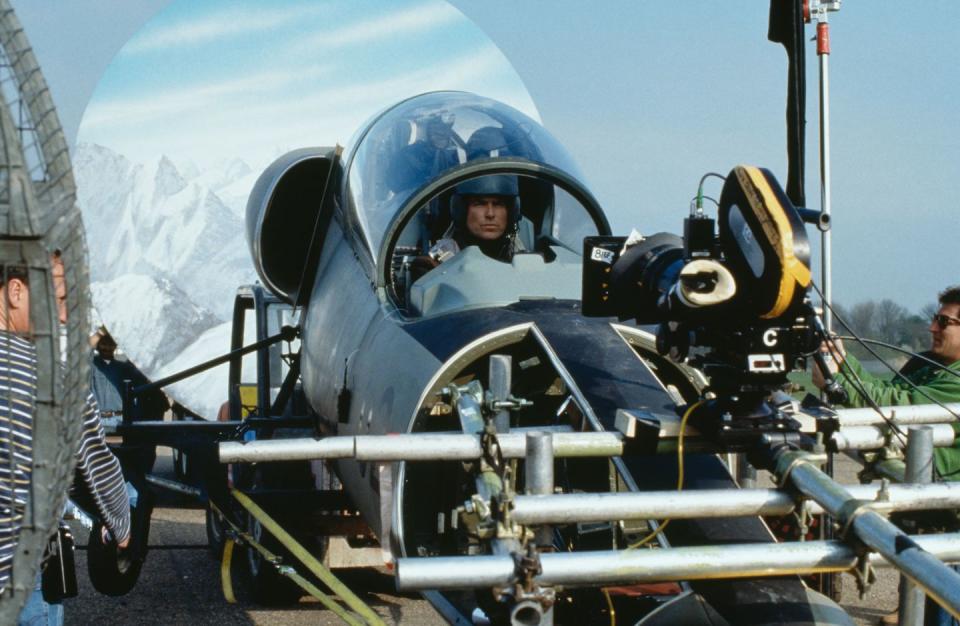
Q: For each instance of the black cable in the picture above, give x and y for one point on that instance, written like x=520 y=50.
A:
x=873 y=353
x=699 y=197
x=860 y=387
x=910 y=353
x=708 y=175
x=856 y=382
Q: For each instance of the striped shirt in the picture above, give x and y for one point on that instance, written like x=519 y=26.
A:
x=100 y=471
x=97 y=467
x=18 y=391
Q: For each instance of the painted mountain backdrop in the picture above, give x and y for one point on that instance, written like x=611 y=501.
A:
x=167 y=252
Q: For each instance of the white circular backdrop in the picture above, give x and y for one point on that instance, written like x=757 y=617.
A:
x=191 y=110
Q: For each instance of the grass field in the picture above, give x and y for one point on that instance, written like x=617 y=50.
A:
x=804 y=385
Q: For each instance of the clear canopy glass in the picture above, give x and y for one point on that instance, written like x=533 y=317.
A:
x=413 y=143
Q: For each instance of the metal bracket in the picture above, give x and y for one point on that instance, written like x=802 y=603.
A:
x=527 y=566
x=511 y=403
x=803 y=517
x=453 y=392
x=864 y=574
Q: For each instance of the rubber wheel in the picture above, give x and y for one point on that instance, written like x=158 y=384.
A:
x=113 y=572
x=216 y=532
x=268 y=586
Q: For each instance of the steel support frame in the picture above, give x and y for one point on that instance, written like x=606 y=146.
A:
x=869 y=527
x=608 y=567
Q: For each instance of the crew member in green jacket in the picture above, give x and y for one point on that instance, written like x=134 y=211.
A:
x=930 y=383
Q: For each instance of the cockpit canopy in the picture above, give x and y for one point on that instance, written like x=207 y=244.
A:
x=406 y=185
x=405 y=176
x=419 y=141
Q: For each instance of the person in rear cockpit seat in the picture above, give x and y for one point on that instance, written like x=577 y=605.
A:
x=433 y=153
x=484 y=212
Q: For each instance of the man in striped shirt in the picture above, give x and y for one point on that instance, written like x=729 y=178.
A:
x=97 y=467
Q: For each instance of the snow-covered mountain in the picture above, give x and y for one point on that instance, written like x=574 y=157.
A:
x=150 y=219
x=167 y=252
x=150 y=317
x=207 y=391
x=232 y=181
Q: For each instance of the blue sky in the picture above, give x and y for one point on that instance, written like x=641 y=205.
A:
x=209 y=82
x=649 y=96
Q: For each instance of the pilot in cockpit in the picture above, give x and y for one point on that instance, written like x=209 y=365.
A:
x=432 y=153
x=484 y=212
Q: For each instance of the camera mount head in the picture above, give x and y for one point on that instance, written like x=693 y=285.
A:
x=730 y=297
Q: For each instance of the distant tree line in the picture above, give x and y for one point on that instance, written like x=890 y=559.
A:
x=887 y=321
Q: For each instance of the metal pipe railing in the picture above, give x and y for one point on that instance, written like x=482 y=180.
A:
x=938 y=581
x=861 y=429
x=608 y=567
x=463 y=447
x=605 y=507
x=902 y=415
x=714 y=503
x=539 y=477
x=173 y=485
x=919 y=469
x=875 y=437
x=414 y=447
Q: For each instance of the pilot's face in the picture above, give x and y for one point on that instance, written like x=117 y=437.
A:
x=486 y=216
x=945 y=339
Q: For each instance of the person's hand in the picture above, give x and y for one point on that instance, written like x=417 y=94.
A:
x=425 y=263
x=816 y=376
x=834 y=355
x=834 y=352
x=107 y=537
x=421 y=265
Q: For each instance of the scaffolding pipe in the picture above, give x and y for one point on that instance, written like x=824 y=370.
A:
x=902 y=415
x=875 y=437
x=608 y=567
x=919 y=469
x=939 y=581
x=175 y=486
x=713 y=503
x=538 y=471
x=501 y=367
x=414 y=447
x=826 y=245
x=605 y=507
x=466 y=447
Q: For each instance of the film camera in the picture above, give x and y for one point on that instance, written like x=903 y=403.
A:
x=730 y=298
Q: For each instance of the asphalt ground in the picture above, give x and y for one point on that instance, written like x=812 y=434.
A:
x=180 y=581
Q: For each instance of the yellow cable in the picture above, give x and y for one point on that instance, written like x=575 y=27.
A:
x=683 y=429
x=226 y=581
x=613 y=614
x=308 y=560
x=326 y=600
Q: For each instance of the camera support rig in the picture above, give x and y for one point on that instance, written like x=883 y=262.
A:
x=733 y=303
x=729 y=298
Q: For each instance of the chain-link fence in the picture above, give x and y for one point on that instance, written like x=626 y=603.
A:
x=38 y=216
